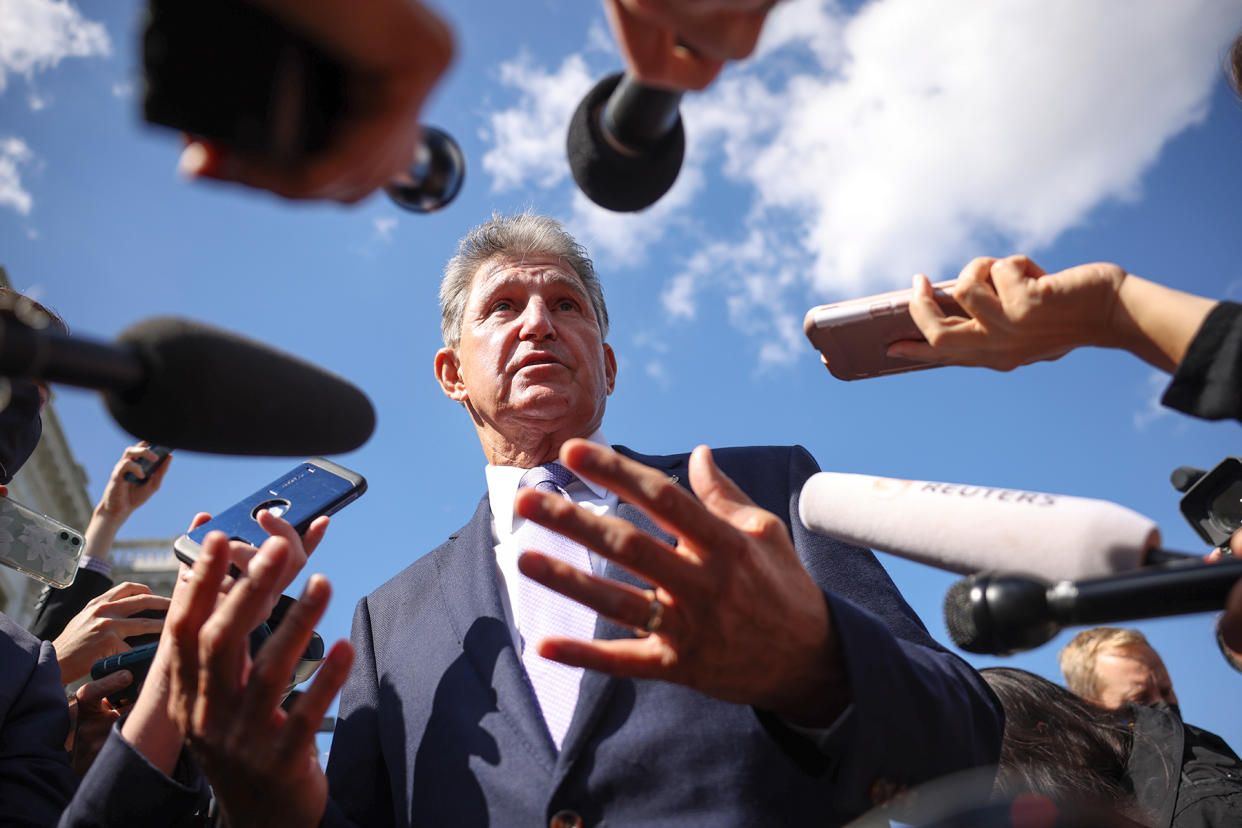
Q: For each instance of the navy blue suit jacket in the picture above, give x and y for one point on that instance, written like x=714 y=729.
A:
x=439 y=724
x=36 y=780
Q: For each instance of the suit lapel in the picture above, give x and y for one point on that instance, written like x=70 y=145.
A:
x=596 y=688
x=472 y=590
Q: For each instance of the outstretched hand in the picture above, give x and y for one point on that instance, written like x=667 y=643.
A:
x=741 y=619
x=256 y=756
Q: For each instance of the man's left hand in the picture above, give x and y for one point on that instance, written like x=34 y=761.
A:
x=741 y=619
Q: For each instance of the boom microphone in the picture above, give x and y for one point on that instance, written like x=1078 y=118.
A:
x=180 y=383
x=626 y=143
x=967 y=529
x=995 y=614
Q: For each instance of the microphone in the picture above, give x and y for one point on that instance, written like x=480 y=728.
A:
x=965 y=528
x=1001 y=614
x=180 y=383
x=626 y=143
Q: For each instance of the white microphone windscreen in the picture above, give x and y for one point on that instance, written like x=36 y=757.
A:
x=967 y=529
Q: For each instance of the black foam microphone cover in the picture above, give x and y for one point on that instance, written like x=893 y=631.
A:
x=608 y=174
x=212 y=391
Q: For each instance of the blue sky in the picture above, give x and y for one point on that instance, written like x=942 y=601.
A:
x=858 y=146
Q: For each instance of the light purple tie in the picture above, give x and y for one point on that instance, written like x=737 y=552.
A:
x=544 y=613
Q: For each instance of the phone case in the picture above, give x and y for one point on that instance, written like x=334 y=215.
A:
x=853 y=336
x=312 y=488
x=37 y=545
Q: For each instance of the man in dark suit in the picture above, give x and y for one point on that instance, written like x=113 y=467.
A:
x=734 y=667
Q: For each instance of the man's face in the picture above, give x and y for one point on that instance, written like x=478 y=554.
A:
x=1132 y=675
x=530 y=359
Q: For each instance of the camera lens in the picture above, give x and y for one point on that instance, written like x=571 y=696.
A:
x=1226 y=507
x=64 y=536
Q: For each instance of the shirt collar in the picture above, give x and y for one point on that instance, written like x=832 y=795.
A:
x=502 y=486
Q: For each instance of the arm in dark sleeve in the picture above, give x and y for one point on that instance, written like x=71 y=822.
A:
x=358 y=789
x=123 y=788
x=1208 y=383
x=918 y=711
x=56 y=606
x=36 y=779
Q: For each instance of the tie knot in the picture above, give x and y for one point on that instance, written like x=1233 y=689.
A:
x=550 y=477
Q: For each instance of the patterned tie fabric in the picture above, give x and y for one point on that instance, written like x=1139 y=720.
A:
x=544 y=613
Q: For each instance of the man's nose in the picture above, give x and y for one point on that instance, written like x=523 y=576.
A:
x=537 y=321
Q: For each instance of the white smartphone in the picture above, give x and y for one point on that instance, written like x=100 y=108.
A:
x=853 y=336
x=37 y=545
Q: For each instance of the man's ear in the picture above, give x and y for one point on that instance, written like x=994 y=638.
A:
x=448 y=372
x=610 y=367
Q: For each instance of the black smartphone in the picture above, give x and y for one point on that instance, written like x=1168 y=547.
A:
x=312 y=488
x=148 y=466
x=227 y=71
x=138 y=661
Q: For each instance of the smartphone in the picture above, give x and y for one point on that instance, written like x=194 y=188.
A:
x=312 y=488
x=228 y=71
x=37 y=545
x=853 y=336
x=139 y=659
x=148 y=466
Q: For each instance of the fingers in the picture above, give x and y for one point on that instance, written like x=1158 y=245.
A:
x=190 y=612
x=622 y=603
x=273 y=666
x=616 y=539
x=673 y=508
x=647 y=657
x=975 y=292
x=723 y=497
x=307 y=713
x=90 y=696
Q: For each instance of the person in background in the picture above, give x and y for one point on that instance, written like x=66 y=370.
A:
x=1135 y=765
x=91 y=618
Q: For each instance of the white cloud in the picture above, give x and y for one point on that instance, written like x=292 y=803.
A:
x=529 y=138
x=1152 y=410
x=384 y=226
x=908 y=136
x=38 y=34
x=123 y=90
x=14 y=154
x=943 y=126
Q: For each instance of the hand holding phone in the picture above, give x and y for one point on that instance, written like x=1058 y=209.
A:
x=148 y=466
x=37 y=545
x=313 y=488
x=853 y=336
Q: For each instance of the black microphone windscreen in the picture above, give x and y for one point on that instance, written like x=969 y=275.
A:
x=610 y=177
x=959 y=617
x=213 y=391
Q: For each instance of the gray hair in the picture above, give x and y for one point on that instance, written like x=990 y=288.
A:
x=518 y=235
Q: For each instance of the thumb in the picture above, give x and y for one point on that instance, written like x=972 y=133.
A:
x=91 y=695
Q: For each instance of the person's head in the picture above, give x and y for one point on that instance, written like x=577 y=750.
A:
x=524 y=322
x=1112 y=666
x=1059 y=745
x=22 y=401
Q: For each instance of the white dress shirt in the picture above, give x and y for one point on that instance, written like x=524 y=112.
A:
x=502 y=486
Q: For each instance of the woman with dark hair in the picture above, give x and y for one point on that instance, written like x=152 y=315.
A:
x=1140 y=763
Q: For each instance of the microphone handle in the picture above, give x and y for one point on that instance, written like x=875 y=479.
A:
x=637 y=117
x=1145 y=593
x=52 y=356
